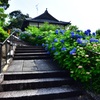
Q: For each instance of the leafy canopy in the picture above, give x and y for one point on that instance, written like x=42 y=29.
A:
x=4 y=4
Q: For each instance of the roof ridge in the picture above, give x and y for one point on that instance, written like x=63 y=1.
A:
x=46 y=15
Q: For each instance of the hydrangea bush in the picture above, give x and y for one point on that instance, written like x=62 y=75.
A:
x=76 y=51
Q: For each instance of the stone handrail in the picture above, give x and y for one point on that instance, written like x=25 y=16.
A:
x=6 y=49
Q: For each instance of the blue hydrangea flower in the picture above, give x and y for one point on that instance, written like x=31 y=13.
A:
x=62 y=31
x=94 y=40
x=53 y=48
x=55 y=40
x=48 y=52
x=78 y=31
x=86 y=33
x=89 y=30
x=78 y=36
x=56 y=31
x=94 y=34
x=63 y=49
x=72 y=51
x=71 y=32
x=43 y=44
x=72 y=35
x=79 y=41
x=62 y=41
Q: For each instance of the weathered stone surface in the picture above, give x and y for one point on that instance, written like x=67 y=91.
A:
x=1 y=80
x=1 y=77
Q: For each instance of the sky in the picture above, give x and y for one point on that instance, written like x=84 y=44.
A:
x=83 y=13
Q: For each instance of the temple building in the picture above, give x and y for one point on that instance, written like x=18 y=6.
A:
x=45 y=17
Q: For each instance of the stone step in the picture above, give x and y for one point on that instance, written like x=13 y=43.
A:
x=41 y=94
x=31 y=54
x=35 y=74
x=29 y=51
x=12 y=85
x=31 y=57
x=27 y=46
x=80 y=97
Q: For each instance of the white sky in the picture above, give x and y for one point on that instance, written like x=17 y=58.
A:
x=83 y=13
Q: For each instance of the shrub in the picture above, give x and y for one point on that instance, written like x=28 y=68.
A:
x=3 y=34
x=76 y=51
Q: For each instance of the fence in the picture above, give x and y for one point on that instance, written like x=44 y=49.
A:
x=6 y=50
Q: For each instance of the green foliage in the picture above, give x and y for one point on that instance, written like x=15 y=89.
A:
x=4 y=4
x=47 y=27
x=16 y=19
x=73 y=27
x=3 y=34
x=98 y=32
x=37 y=34
x=75 y=50
x=2 y=16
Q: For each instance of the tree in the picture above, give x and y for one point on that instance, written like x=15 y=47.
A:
x=15 y=14
x=4 y=4
x=16 y=19
x=2 y=17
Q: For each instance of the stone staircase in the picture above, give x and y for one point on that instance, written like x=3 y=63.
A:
x=41 y=84
x=30 y=52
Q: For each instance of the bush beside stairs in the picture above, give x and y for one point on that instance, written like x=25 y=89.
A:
x=39 y=85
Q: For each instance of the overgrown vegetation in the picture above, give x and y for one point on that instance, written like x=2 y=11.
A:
x=75 y=50
x=3 y=33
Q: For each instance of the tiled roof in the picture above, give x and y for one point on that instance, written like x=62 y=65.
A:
x=45 y=16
